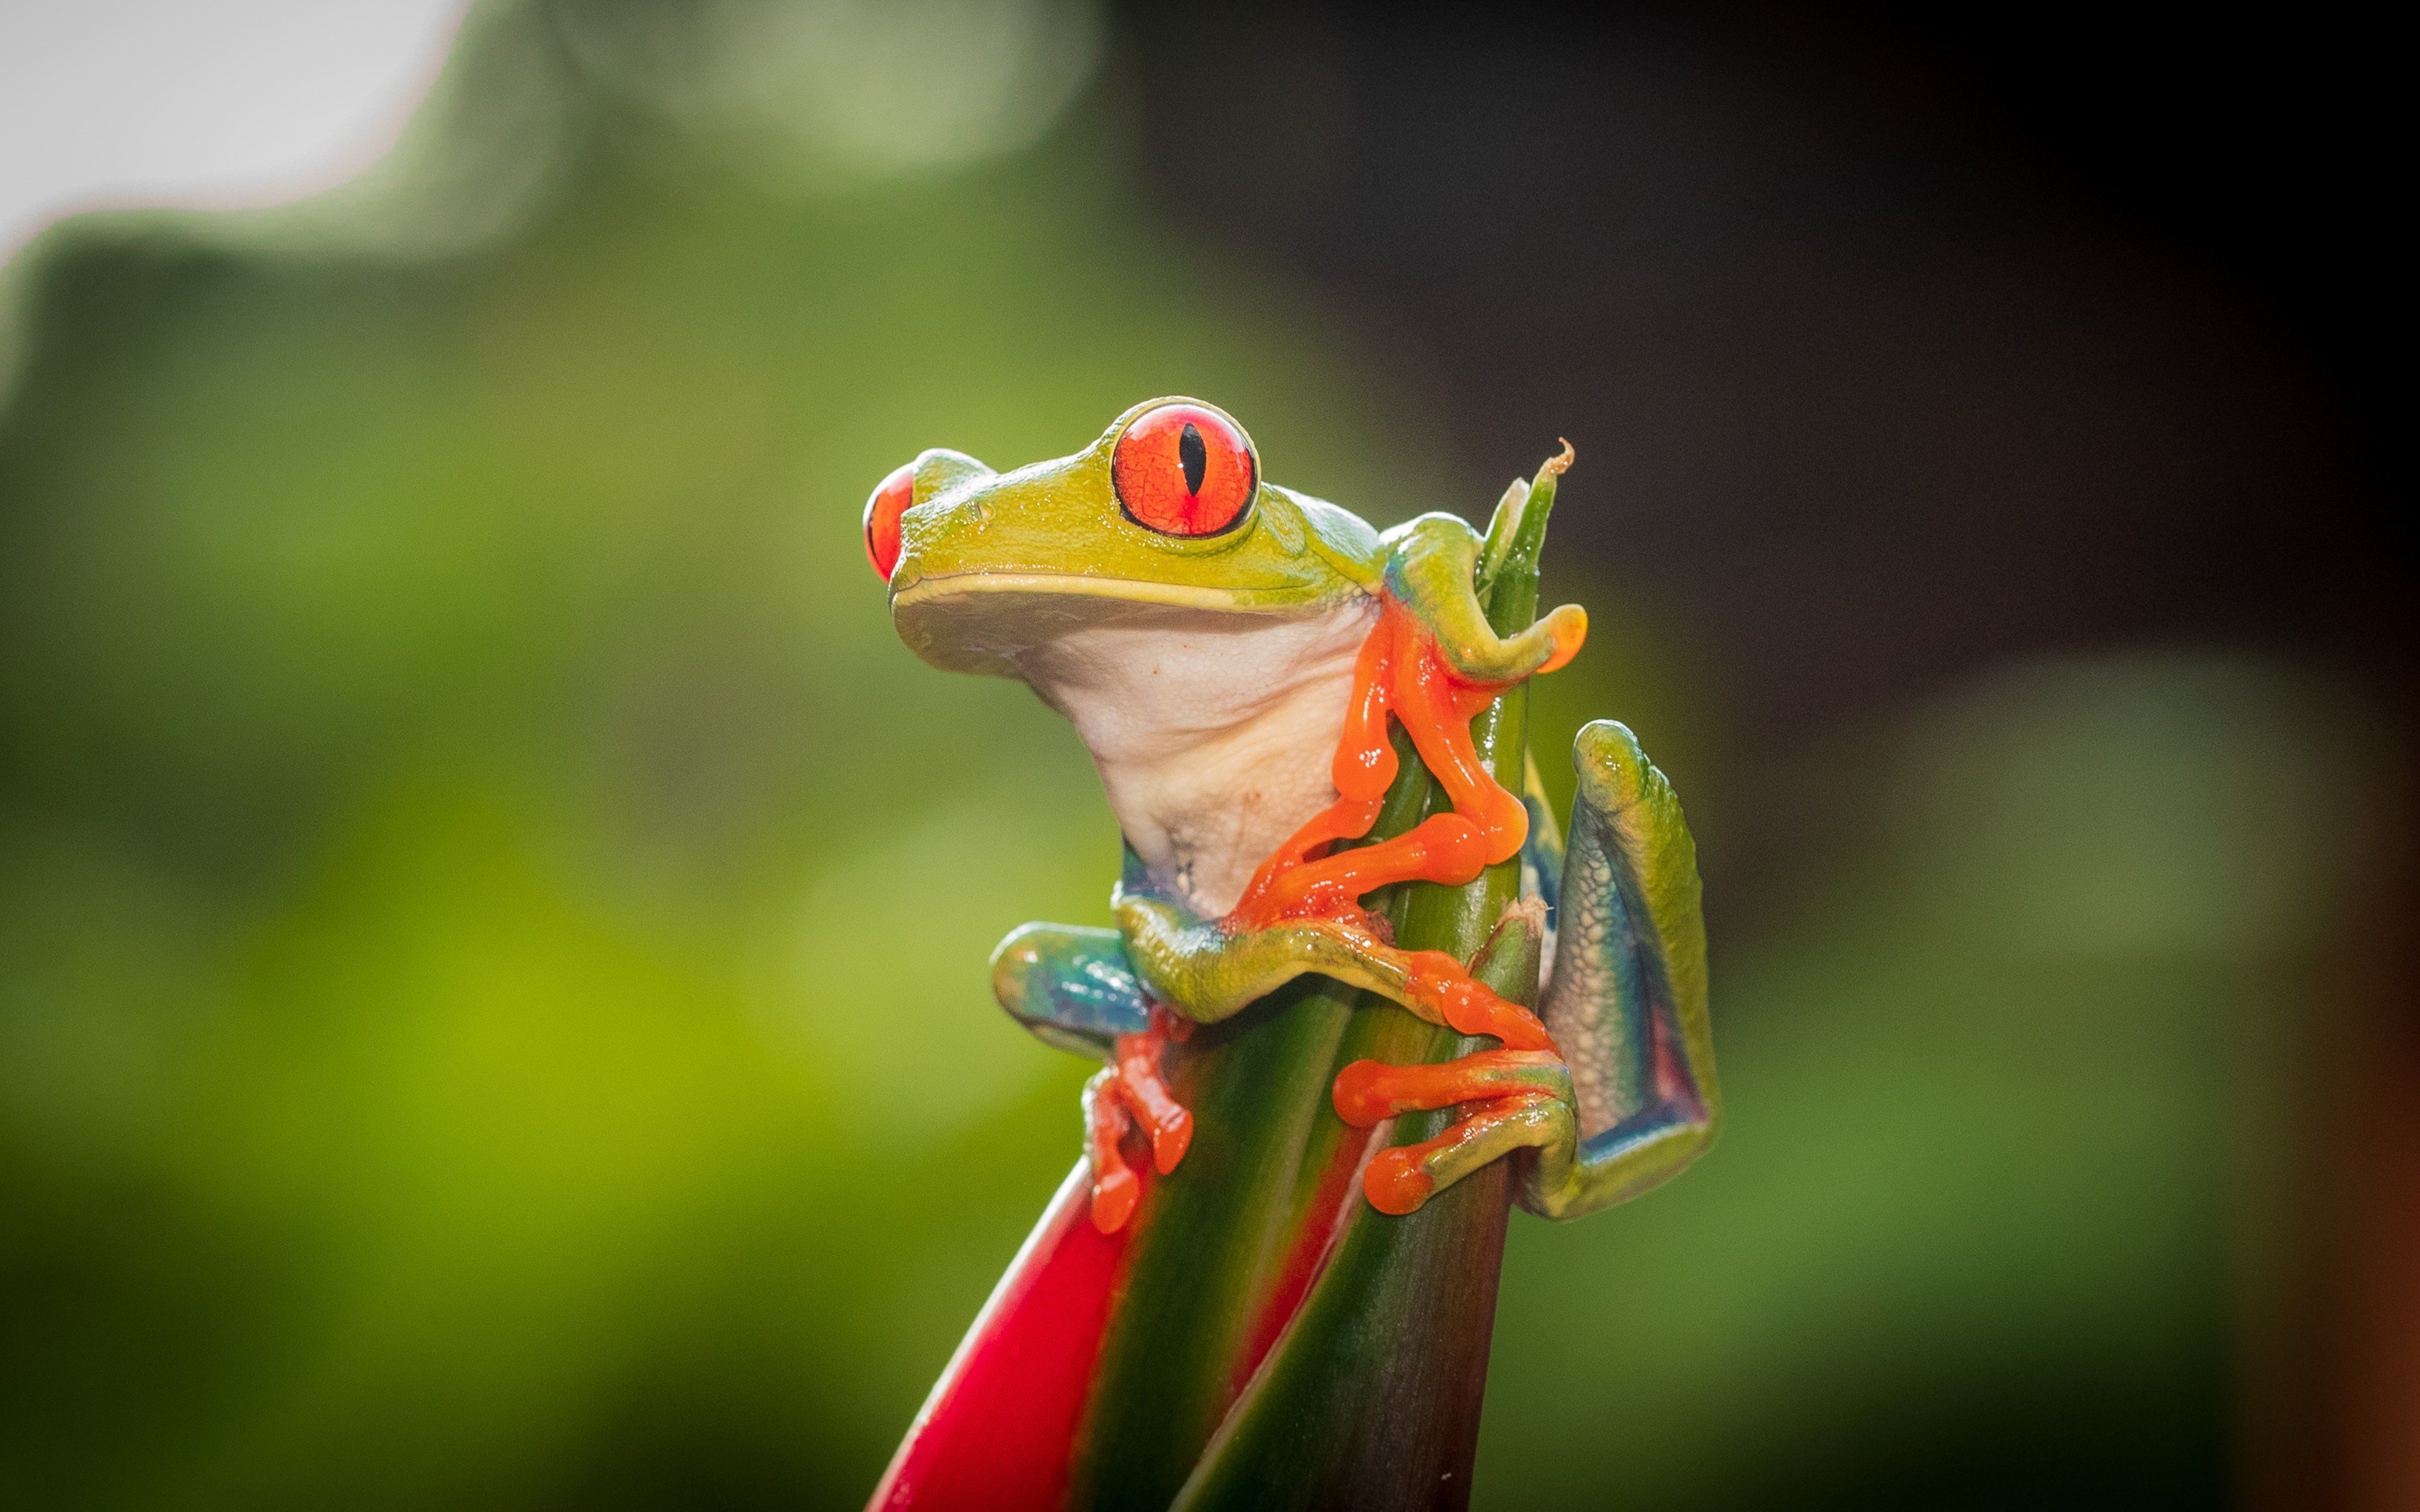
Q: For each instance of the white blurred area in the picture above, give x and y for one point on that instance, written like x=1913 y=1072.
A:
x=808 y=95
x=202 y=103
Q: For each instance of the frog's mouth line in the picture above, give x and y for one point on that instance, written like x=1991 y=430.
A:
x=1125 y=590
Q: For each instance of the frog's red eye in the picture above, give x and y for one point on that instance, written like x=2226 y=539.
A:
x=893 y=500
x=1182 y=469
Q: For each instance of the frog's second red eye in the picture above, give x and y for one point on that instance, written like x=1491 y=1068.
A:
x=1182 y=469
x=897 y=496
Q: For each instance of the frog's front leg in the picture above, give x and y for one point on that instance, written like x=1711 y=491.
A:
x=1430 y=566
x=1433 y=664
x=1072 y=989
x=1208 y=969
x=1626 y=1003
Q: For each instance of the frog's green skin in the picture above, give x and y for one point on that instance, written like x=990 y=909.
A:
x=1209 y=678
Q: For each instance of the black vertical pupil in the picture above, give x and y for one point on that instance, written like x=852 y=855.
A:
x=1192 y=457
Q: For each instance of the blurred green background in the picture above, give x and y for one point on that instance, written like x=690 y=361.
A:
x=492 y=924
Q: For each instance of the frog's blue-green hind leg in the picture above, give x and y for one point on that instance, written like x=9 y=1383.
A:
x=1070 y=988
x=1632 y=1097
x=1626 y=999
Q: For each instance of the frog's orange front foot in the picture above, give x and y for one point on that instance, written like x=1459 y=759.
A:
x=1132 y=1096
x=1442 y=990
x=1523 y=1098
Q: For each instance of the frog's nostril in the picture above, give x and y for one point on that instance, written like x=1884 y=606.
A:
x=894 y=498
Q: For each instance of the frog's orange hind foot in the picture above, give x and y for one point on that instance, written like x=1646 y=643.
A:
x=1522 y=1100
x=1166 y=1123
x=1107 y=1123
x=1133 y=1096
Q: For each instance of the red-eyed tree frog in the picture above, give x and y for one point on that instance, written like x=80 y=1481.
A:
x=1232 y=652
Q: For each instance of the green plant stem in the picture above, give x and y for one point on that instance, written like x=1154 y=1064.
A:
x=1372 y=1399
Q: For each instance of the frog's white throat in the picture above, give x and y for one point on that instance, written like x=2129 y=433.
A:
x=1215 y=733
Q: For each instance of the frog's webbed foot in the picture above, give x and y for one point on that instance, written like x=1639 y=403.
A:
x=1511 y=1097
x=1131 y=1097
x=1523 y=1097
x=1106 y=1124
x=1072 y=989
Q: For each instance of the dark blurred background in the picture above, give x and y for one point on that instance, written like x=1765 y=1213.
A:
x=491 y=922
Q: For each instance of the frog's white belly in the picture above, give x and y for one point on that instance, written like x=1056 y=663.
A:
x=1215 y=733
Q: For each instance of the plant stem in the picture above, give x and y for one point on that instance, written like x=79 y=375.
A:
x=1373 y=1398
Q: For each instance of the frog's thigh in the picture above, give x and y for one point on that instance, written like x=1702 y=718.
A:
x=1629 y=975
x=1070 y=987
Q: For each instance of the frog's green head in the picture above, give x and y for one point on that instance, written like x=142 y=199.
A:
x=1166 y=516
